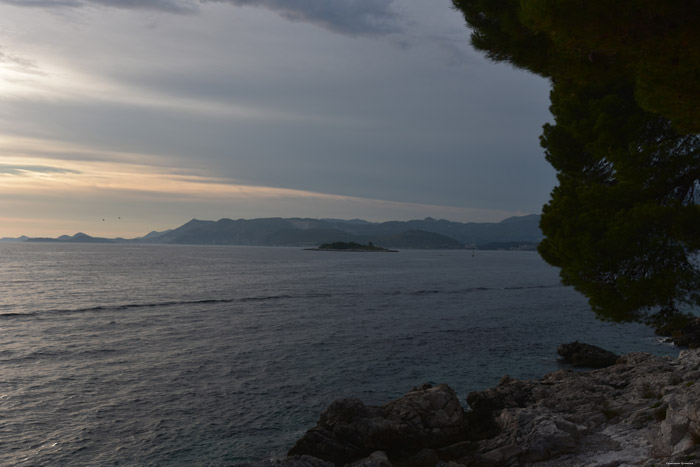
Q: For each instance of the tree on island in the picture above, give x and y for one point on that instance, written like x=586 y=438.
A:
x=351 y=246
x=624 y=222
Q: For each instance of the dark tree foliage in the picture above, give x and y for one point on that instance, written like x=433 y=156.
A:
x=624 y=223
x=652 y=44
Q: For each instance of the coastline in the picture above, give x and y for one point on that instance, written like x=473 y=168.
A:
x=642 y=410
x=351 y=250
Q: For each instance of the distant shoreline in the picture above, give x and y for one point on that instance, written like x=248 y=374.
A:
x=517 y=233
x=354 y=250
x=352 y=246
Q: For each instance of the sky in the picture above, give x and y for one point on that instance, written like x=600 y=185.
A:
x=118 y=117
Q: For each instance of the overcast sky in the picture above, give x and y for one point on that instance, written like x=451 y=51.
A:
x=147 y=113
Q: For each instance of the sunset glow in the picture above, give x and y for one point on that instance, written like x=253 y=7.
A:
x=154 y=114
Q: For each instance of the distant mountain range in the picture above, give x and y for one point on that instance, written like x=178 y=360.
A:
x=514 y=233
x=14 y=239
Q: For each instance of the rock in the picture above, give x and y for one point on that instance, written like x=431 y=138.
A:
x=586 y=355
x=376 y=459
x=291 y=461
x=423 y=458
x=341 y=434
x=643 y=410
x=500 y=456
x=456 y=451
x=688 y=336
x=426 y=417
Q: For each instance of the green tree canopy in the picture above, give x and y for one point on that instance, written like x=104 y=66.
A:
x=624 y=222
x=653 y=45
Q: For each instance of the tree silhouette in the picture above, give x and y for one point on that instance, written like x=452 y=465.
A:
x=624 y=222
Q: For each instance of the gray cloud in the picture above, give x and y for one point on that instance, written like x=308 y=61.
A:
x=24 y=169
x=21 y=64
x=173 y=6
x=353 y=17
x=43 y=3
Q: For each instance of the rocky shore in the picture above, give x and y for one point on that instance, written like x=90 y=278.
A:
x=642 y=410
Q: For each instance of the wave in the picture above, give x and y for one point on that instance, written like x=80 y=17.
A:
x=262 y=298
x=551 y=286
x=130 y=306
x=477 y=289
x=17 y=315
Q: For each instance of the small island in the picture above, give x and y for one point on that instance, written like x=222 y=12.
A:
x=351 y=246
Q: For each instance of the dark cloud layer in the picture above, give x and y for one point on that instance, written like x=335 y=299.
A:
x=352 y=17
x=44 y=3
x=173 y=6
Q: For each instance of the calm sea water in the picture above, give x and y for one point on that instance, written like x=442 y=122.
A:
x=192 y=355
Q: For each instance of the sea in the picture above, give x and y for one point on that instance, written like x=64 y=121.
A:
x=121 y=354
